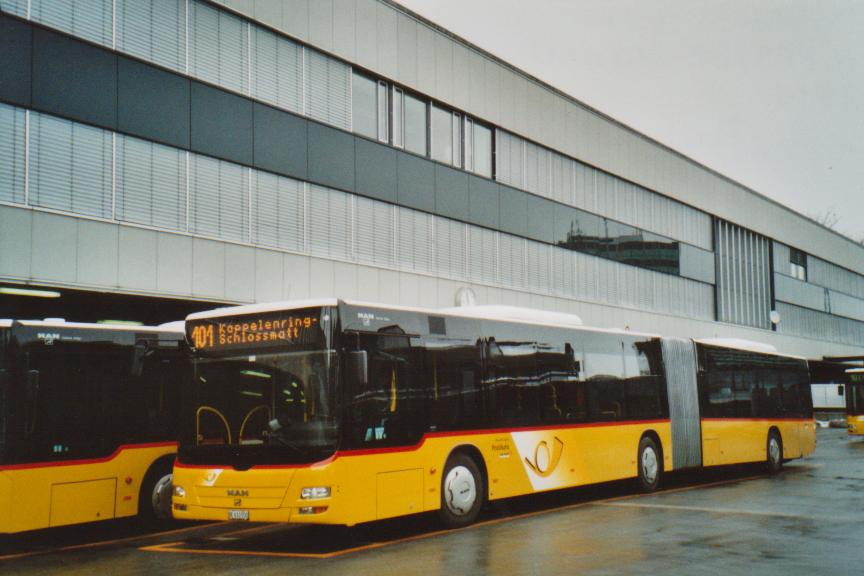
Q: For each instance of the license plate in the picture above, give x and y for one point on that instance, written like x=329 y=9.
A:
x=238 y=515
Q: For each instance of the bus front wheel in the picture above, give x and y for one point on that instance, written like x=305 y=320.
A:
x=462 y=491
x=649 y=465
x=774 y=458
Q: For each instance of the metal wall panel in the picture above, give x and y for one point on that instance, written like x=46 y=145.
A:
x=54 y=248
x=406 y=53
x=344 y=38
x=793 y=291
x=841 y=304
x=138 y=258
x=321 y=24
x=387 y=36
x=366 y=37
x=295 y=17
x=269 y=276
x=16 y=240
x=16 y=46
x=12 y=154
x=819 y=325
x=173 y=264
x=208 y=268
x=153 y=103
x=239 y=270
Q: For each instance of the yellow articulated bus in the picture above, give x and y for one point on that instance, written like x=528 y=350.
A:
x=855 y=402
x=340 y=413
x=87 y=421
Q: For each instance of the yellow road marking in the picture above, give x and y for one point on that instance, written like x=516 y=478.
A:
x=733 y=511
x=108 y=542
x=173 y=546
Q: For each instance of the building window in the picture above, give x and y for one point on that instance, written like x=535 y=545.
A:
x=364 y=106
x=398 y=117
x=798 y=264
x=416 y=125
x=370 y=103
x=478 y=148
x=442 y=135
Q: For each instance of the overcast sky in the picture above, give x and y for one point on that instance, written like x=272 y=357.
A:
x=767 y=92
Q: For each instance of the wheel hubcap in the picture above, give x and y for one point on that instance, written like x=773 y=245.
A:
x=774 y=450
x=460 y=490
x=160 y=499
x=649 y=465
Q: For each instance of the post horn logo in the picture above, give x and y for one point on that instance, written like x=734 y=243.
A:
x=545 y=461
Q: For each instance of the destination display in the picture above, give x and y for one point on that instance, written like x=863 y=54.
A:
x=302 y=327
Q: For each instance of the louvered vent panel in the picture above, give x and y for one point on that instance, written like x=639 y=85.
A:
x=151 y=184
x=70 y=167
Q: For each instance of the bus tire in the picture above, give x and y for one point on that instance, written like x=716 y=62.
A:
x=649 y=465
x=154 y=499
x=774 y=452
x=462 y=491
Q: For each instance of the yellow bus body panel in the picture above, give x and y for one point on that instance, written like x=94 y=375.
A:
x=373 y=485
x=44 y=495
x=732 y=441
x=855 y=425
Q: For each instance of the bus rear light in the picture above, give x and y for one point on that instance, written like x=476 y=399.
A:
x=306 y=510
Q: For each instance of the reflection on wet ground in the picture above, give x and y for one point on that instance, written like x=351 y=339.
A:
x=736 y=520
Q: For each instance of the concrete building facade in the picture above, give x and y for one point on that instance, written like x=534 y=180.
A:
x=256 y=150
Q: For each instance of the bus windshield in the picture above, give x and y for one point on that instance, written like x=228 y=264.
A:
x=268 y=402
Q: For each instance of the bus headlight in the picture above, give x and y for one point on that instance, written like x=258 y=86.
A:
x=315 y=492
x=179 y=492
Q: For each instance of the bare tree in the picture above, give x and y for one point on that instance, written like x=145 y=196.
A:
x=828 y=218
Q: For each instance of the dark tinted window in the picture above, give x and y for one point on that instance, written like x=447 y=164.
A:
x=391 y=409
x=153 y=399
x=743 y=384
x=512 y=383
x=70 y=411
x=455 y=385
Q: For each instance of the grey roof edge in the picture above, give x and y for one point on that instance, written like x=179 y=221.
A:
x=482 y=51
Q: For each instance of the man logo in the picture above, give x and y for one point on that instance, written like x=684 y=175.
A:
x=238 y=501
x=544 y=463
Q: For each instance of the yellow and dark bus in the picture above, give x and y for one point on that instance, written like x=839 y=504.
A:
x=88 y=417
x=855 y=402
x=338 y=412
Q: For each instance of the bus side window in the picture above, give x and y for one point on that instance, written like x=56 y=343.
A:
x=604 y=370
x=511 y=383
x=390 y=409
x=453 y=381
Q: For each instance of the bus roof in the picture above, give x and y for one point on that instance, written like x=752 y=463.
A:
x=855 y=370
x=93 y=326
x=746 y=345
x=492 y=312
x=265 y=307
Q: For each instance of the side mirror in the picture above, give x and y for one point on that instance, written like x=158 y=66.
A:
x=32 y=386
x=357 y=367
x=139 y=353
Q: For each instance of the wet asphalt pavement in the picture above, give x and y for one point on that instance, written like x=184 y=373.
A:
x=807 y=520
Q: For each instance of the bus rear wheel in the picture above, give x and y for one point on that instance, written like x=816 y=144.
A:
x=649 y=464
x=462 y=491
x=774 y=453
x=154 y=500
